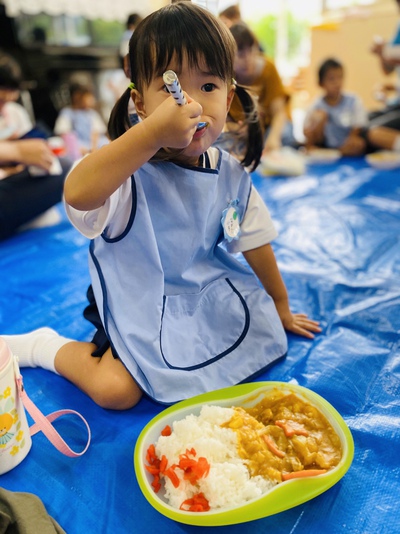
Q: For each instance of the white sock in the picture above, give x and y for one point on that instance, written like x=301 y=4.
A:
x=37 y=348
x=396 y=144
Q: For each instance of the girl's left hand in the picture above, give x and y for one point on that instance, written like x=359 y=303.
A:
x=300 y=324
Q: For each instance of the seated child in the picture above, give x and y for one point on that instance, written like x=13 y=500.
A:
x=83 y=120
x=176 y=313
x=338 y=119
x=14 y=119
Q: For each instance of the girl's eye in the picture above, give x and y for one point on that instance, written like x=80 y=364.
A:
x=208 y=87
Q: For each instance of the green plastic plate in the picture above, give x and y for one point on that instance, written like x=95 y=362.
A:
x=283 y=496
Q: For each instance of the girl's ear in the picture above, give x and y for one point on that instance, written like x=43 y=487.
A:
x=139 y=104
x=230 y=96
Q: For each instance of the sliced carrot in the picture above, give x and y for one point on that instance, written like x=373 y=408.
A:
x=151 y=455
x=163 y=463
x=170 y=473
x=303 y=473
x=152 y=469
x=166 y=431
x=291 y=431
x=185 y=462
x=193 y=469
x=156 y=484
x=203 y=467
x=272 y=446
x=194 y=474
x=198 y=503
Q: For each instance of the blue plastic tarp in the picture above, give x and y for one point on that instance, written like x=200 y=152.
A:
x=338 y=251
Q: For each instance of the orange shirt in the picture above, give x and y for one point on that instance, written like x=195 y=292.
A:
x=266 y=87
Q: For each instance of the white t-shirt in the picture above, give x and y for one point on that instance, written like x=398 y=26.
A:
x=14 y=121
x=349 y=113
x=256 y=228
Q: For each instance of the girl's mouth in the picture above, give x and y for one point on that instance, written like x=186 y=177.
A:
x=201 y=125
x=200 y=130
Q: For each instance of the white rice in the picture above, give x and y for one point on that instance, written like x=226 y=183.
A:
x=228 y=483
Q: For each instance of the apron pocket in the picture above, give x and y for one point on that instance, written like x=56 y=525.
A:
x=198 y=329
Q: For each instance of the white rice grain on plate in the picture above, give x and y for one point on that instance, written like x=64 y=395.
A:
x=228 y=483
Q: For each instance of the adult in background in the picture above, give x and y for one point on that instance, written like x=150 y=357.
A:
x=254 y=70
x=29 y=184
x=31 y=177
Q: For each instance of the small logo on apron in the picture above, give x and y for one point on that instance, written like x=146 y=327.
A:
x=230 y=221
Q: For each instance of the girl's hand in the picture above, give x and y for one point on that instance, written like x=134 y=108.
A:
x=300 y=324
x=174 y=126
x=262 y=261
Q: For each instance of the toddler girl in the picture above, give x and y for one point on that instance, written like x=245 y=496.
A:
x=176 y=313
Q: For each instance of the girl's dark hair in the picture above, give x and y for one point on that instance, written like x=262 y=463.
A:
x=326 y=66
x=243 y=36
x=178 y=31
x=254 y=139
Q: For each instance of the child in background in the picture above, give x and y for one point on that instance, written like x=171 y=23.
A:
x=81 y=119
x=14 y=119
x=176 y=313
x=336 y=119
x=230 y=15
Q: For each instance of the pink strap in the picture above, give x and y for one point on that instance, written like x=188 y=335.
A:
x=43 y=423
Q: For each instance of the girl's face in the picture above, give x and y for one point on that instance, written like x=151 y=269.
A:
x=214 y=95
x=245 y=63
x=333 y=82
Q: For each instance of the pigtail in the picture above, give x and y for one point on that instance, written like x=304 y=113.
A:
x=119 y=121
x=254 y=139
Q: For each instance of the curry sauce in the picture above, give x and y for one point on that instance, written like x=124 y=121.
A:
x=283 y=435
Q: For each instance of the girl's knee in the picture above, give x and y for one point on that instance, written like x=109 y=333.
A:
x=117 y=399
x=117 y=392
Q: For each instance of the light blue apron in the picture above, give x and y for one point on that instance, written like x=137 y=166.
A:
x=184 y=315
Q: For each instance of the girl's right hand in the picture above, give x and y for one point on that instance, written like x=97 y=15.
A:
x=174 y=125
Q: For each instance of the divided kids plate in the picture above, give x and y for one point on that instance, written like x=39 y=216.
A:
x=281 y=497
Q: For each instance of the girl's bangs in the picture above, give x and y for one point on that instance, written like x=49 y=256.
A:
x=179 y=35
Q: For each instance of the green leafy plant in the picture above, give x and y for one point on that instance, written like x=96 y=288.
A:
x=265 y=30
